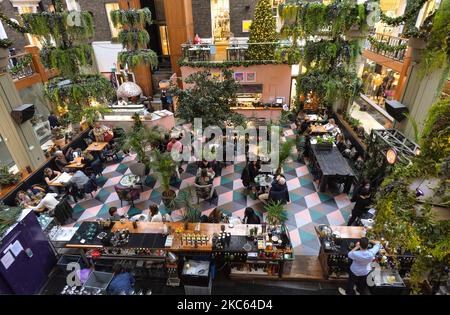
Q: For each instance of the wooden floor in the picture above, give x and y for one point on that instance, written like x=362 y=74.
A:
x=306 y=268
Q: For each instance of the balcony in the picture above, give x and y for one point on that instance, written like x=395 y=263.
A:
x=234 y=52
x=21 y=66
x=388 y=46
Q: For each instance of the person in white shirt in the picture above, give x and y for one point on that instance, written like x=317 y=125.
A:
x=49 y=202
x=156 y=216
x=362 y=258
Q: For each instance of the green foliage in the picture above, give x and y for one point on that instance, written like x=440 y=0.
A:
x=131 y=18
x=276 y=213
x=185 y=199
x=409 y=18
x=8 y=217
x=68 y=60
x=262 y=30
x=75 y=94
x=92 y=113
x=164 y=167
x=408 y=224
x=226 y=64
x=134 y=39
x=413 y=123
x=382 y=46
x=285 y=151
x=21 y=64
x=137 y=57
x=15 y=26
x=437 y=53
x=207 y=98
x=5 y=43
x=7 y=178
x=326 y=53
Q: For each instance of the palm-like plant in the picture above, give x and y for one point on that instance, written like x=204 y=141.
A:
x=185 y=199
x=276 y=213
x=164 y=167
x=284 y=153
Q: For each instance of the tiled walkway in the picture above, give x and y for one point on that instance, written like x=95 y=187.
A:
x=307 y=208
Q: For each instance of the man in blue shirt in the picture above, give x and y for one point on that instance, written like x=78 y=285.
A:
x=122 y=283
x=360 y=267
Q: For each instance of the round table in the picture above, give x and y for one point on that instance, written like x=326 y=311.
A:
x=129 y=180
x=264 y=180
x=139 y=217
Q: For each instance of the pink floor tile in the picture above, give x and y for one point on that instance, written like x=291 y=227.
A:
x=145 y=195
x=225 y=198
x=187 y=182
x=302 y=218
x=293 y=184
x=295 y=238
x=123 y=210
x=113 y=197
x=342 y=200
x=312 y=200
x=207 y=212
x=239 y=213
x=335 y=218
x=227 y=170
x=216 y=181
x=112 y=181
x=237 y=184
x=302 y=171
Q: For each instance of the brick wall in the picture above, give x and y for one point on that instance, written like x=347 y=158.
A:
x=240 y=12
x=201 y=13
x=97 y=7
x=18 y=39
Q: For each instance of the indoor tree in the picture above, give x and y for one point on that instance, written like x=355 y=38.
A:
x=72 y=91
x=262 y=30
x=134 y=37
x=164 y=167
x=208 y=98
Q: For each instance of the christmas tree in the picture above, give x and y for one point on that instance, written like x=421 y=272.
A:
x=262 y=30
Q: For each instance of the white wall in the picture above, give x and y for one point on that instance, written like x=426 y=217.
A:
x=106 y=55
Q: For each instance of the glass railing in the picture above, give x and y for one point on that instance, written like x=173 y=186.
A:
x=388 y=46
x=223 y=52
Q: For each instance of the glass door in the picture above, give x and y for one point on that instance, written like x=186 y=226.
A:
x=220 y=20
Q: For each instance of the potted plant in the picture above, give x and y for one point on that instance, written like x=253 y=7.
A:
x=186 y=200
x=276 y=213
x=7 y=178
x=58 y=136
x=324 y=144
x=285 y=151
x=4 y=52
x=164 y=167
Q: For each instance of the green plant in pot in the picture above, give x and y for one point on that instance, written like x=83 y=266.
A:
x=164 y=167
x=7 y=178
x=186 y=200
x=276 y=213
x=284 y=153
x=4 y=52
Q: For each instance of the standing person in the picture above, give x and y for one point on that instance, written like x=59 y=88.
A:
x=157 y=216
x=363 y=200
x=197 y=40
x=165 y=104
x=122 y=283
x=114 y=215
x=360 y=267
x=249 y=173
x=53 y=120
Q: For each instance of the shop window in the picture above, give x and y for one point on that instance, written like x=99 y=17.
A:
x=164 y=40
x=111 y=7
x=220 y=17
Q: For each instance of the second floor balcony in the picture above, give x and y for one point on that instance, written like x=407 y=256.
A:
x=389 y=46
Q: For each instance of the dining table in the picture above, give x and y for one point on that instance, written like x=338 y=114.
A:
x=77 y=163
x=97 y=146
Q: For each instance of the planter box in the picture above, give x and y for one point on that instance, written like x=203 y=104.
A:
x=324 y=146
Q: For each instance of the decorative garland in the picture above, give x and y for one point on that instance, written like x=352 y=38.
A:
x=24 y=62
x=15 y=26
x=226 y=64
x=379 y=45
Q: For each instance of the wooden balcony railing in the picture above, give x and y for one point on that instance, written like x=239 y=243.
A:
x=388 y=46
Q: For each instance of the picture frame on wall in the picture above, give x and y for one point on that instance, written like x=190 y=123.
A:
x=217 y=76
x=246 y=26
x=239 y=76
x=250 y=77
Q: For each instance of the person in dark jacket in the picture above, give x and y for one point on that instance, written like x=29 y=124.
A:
x=53 y=120
x=250 y=217
x=249 y=173
x=363 y=202
x=278 y=191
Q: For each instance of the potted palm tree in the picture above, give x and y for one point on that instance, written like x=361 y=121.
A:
x=284 y=153
x=185 y=200
x=4 y=52
x=276 y=213
x=164 y=167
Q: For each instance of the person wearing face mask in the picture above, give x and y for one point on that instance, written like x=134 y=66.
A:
x=361 y=197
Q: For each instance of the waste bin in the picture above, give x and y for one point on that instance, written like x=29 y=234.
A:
x=98 y=280
x=196 y=277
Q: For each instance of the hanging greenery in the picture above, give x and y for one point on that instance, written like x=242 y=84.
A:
x=226 y=64
x=8 y=217
x=131 y=18
x=134 y=37
x=68 y=60
x=15 y=26
x=382 y=46
x=262 y=30
x=5 y=43
x=77 y=93
x=137 y=57
x=437 y=52
x=21 y=64
x=408 y=19
x=408 y=224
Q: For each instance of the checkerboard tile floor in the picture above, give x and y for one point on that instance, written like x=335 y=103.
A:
x=307 y=208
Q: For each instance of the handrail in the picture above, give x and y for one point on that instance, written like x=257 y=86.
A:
x=386 y=46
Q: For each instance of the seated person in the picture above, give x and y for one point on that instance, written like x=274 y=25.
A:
x=332 y=127
x=250 y=217
x=49 y=177
x=157 y=216
x=216 y=216
x=79 y=179
x=340 y=143
x=60 y=161
x=23 y=199
x=249 y=173
x=205 y=178
x=114 y=215
x=101 y=132
x=203 y=164
x=122 y=282
x=277 y=192
x=49 y=202
x=53 y=120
